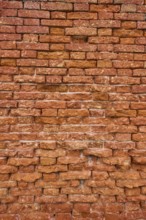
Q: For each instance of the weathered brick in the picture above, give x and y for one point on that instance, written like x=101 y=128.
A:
x=56 y=23
x=128 y=48
x=100 y=7
x=83 y=198
x=54 y=39
x=52 y=169
x=128 y=8
x=32 y=46
x=32 y=5
x=141 y=25
x=127 y=33
x=33 y=14
x=51 y=71
x=61 y=216
x=32 y=62
x=80 y=64
x=75 y=79
x=52 y=154
x=81 y=6
x=58 y=6
x=53 y=55
x=14 y=4
x=26 y=177
x=22 y=161
x=81 y=31
x=105 y=24
x=75 y=175
x=32 y=29
x=98 y=152
x=81 y=15
x=130 y=183
x=50 y=104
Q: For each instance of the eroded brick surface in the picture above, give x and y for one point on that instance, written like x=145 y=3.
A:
x=72 y=110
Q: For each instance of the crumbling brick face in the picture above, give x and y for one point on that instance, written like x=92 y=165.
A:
x=73 y=110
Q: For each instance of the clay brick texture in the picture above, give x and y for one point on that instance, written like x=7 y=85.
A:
x=73 y=110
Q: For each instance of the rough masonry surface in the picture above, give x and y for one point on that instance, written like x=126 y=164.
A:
x=73 y=110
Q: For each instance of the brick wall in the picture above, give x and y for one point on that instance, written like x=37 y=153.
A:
x=73 y=110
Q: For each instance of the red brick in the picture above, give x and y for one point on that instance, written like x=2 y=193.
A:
x=55 y=153
x=32 y=46
x=30 y=38
x=56 y=23
x=81 y=15
x=77 y=55
x=79 y=47
x=104 y=31
x=103 y=40
x=51 y=71
x=81 y=23
x=81 y=7
x=7 y=29
x=52 y=169
x=32 y=5
x=63 y=216
x=105 y=48
x=9 y=12
x=125 y=80
x=50 y=104
x=83 y=198
x=34 y=216
x=125 y=175
x=127 y=33
x=81 y=31
x=14 y=4
x=98 y=152
x=141 y=8
x=58 y=15
x=128 y=64
x=130 y=183
x=128 y=48
x=30 y=21
x=53 y=55
x=105 y=15
x=28 y=53
x=129 y=25
x=139 y=89
x=33 y=14
x=129 y=16
x=101 y=71
x=75 y=175
x=56 y=6
x=10 y=37
x=32 y=29
x=32 y=62
x=74 y=79
x=26 y=177
x=53 y=79
x=98 y=8
x=80 y=64
x=128 y=8
x=9 y=53
x=105 y=24
x=8 y=216
x=105 y=1
x=141 y=25
x=125 y=56
x=11 y=21
x=137 y=2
